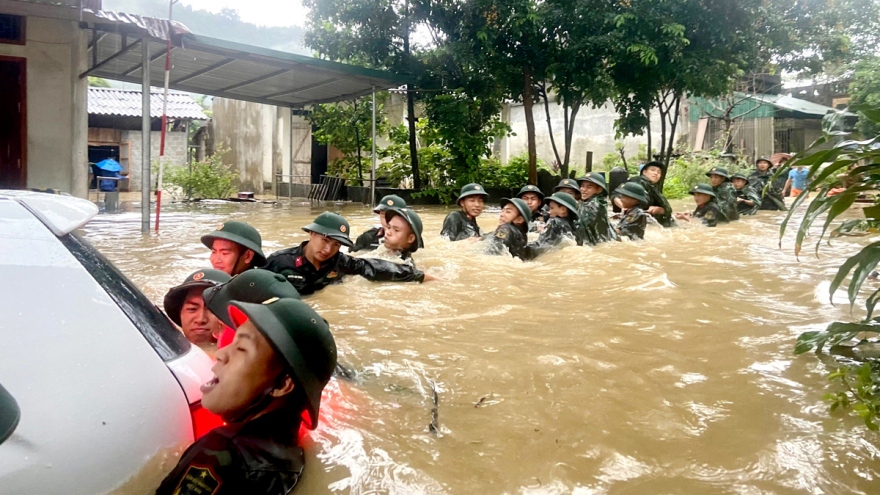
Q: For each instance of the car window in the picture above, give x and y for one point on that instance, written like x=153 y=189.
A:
x=169 y=342
x=9 y=414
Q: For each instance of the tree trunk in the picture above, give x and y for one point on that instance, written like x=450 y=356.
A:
x=549 y=123
x=648 y=114
x=357 y=139
x=411 y=112
x=570 y=117
x=673 y=124
x=528 y=104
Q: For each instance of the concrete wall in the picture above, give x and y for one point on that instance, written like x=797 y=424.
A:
x=594 y=131
x=257 y=138
x=175 y=152
x=57 y=122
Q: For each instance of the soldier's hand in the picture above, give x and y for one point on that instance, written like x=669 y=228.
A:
x=431 y=278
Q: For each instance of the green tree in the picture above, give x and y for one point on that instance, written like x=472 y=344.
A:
x=347 y=126
x=865 y=90
x=376 y=33
x=666 y=50
x=850 y=347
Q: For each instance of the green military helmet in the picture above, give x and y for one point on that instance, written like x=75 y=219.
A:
x=413 y=220
x=331 y=225
x=566 y=200
x=520 y=205
x=530 y=189
x=739 y=176
x=651 y=164
x=702 y=188
x=176 y=296
x=597 y=178
x=240 y=233
x=390 y=201
x=252 y=286
x=764 y=159
x=302 y=338
x=633 y=190
x=471 y=190
x=564 y=183
x=718 y=171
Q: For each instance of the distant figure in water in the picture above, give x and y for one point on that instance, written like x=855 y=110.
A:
x=371 y=239
x=562 y=224
x=513 y=229
x=657 y=205
x=725 y=195
x=186 y=307
x=631 y=197
x=570 y=187
x=462 y=224
x=707 y=207
x=235 y=247
x=266 y=383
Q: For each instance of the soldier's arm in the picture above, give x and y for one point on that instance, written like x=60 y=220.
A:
x=365 y=240
x=378 y=270
x=452 y=227
x=710 y=219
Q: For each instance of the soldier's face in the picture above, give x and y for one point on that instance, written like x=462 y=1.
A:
x=322 y=248
x=557 y=210
x=716 y=180
x=739 y=183
x=509 y=214
x=588 y=190
x=763 y=166
x=196 y=321
x=652 y=174
x=398 y=235
x=225 y=257
x=533 y=200
x=628 y=202
x=473 y=205
x=574 y=193
x=701 y=198
x=245 y=369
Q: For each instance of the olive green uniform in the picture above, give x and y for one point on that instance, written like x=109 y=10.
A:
x=725 y=195
x=748 y=193
x=593 y=226
x=771 y=197
x=656 y=198
x=633 y=224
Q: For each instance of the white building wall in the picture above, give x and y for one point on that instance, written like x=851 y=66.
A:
x=56 y=100
x=594 y=131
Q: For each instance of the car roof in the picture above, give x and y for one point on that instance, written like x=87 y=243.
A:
x=62 y=214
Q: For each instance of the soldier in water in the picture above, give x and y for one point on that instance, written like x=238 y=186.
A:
x=317 y=262
x=535 y=199
x=707 y=208
x=562 y=225
x=725 y=195
x=462 y=224
x=512 y=233
x=235 y=247
x=593 y=213
x=632 y=198
x=657 y=205
x=748 y=201
x=371 y=239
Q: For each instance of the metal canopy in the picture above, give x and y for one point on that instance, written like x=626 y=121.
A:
x=231 y=70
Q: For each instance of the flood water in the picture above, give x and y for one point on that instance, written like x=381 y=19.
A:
x=662 y=366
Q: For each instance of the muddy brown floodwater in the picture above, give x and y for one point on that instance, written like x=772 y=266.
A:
x=662 y=366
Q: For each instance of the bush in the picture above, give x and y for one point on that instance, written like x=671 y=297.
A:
x=690 y=169
x=210 y=179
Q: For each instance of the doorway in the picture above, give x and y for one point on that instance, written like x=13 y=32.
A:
x=13 y=123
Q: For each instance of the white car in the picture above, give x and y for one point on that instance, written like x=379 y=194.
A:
x=98 y=391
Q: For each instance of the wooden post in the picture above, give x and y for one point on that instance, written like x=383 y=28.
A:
x=589 y=162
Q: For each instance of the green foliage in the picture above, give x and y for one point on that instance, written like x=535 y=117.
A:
x=865 y=90
x=347 y=126
x=854 y=345
x=210 y=179
x=690 y=169
x=98 y=82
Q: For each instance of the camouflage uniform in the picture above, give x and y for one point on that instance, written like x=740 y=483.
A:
x=725 y=194
x=593 y=226
x=748 y=193
x=710 y=213
x=771 y=198
x=656 y=198
x=635 y=219
x=557 y=229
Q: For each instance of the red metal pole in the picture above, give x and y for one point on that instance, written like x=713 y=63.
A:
x=164 y=119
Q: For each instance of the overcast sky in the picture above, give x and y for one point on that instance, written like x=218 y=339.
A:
x=260 y=12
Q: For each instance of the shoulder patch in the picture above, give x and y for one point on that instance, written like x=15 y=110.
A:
x=501 y=234
x=299 y=261
x=198 y=480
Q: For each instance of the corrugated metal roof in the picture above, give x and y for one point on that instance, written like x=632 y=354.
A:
x=791 y=104
x=127 y=103
x=223 y=68
x=762 y=106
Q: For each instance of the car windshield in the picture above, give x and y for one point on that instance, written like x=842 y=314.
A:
x=168 y=342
